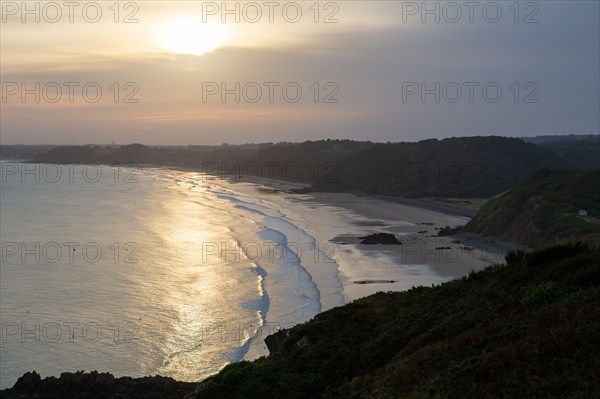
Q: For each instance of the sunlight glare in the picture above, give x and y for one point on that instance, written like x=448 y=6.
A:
x=191 y=36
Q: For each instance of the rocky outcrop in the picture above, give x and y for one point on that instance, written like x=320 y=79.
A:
x=95 y=385
x=449 y=231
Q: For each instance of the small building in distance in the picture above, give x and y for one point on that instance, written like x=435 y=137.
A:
x=583 y=212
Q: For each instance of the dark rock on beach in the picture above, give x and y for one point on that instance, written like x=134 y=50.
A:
x=380 y=238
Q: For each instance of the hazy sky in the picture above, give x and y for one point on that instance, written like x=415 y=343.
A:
x=194 y=72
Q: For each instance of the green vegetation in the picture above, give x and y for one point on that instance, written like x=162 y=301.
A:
x=471 y=204
x=572 y=152
x=527 y=329
x=458 y=167
x=544 y=210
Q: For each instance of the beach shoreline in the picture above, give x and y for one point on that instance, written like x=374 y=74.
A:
x=428 y=258
x=424 y=258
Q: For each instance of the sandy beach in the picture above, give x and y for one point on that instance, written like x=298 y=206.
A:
x=337 y=220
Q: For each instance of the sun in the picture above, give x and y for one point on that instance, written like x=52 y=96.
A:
x=191 y=36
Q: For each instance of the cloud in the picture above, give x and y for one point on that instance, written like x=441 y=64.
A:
x=366 y=69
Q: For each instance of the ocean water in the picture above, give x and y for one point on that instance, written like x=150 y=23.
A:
x=148 y=271
x=156 y=271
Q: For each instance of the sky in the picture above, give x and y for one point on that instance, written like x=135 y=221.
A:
x=198 y=72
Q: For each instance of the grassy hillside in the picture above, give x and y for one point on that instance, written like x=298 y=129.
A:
x=529 y=329
x=544 y=210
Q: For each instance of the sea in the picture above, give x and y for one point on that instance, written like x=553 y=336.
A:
x=143 y=271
